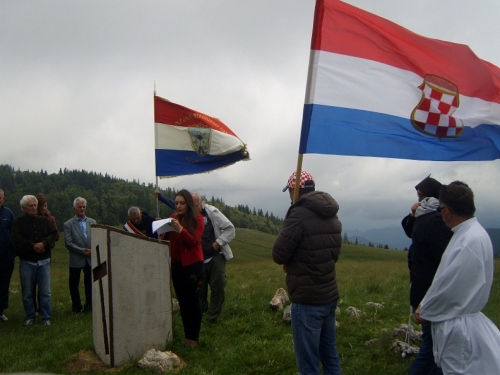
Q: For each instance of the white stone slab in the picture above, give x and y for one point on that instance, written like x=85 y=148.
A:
x=131 y=295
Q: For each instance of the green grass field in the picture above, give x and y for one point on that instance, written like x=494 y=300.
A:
x=249 y=338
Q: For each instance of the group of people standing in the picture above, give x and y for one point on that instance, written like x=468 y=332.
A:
x=32 y=237
x=451 y=273
x=450 y=262
x=199 y=250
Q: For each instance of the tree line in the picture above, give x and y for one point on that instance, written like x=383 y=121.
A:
x=109 y=198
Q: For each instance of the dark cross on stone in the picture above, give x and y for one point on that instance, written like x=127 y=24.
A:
x=98 y=273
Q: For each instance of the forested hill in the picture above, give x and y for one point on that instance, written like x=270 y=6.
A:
x=109 y=198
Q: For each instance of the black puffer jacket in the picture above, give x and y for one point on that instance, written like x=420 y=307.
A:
x=430 y=236
x=309 y=246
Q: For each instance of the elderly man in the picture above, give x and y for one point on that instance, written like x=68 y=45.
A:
x=308 y=246
x=465 y=340
x=140 y=223
x=7 y=256
x=218 y=232
x=77 y=238
x=33 y=238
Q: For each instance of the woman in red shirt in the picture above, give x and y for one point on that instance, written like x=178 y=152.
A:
x=187 y=263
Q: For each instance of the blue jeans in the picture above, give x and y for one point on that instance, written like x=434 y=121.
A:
x=313 y=329
x=424 y=364
x=29 y=275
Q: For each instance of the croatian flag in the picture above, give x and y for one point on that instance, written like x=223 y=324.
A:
x=377 y=89
x=190 y=142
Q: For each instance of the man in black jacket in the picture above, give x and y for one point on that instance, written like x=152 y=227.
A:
x=430 y=236
x=33 y=237
x=308 y=247
x=140 y=223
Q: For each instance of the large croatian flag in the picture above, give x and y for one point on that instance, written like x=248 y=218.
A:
x=377 y=89
x=189 y=142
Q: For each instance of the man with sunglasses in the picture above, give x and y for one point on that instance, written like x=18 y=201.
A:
x=465 y=340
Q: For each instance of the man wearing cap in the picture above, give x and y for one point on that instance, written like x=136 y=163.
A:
x=430 y=236
x=308 y=247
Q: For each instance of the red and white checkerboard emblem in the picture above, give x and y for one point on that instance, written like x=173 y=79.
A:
x=433 y=115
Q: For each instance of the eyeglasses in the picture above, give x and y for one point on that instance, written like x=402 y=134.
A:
x=441 y=208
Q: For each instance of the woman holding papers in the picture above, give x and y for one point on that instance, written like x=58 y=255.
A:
x=187 y=263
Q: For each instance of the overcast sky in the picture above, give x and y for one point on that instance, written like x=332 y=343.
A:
x=77 y=81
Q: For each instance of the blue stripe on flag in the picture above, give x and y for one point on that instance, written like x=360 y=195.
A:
x=343 y=131
x=171 y=163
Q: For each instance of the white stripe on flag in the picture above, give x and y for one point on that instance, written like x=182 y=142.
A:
x=351 y=82
x=171 y=137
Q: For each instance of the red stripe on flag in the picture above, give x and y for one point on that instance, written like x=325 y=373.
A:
x=343 y=29
x=174 y=114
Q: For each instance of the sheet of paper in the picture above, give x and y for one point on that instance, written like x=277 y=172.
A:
x=162 y=226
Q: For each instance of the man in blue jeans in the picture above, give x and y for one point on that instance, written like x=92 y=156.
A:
x=33 y=237
x=308 y=246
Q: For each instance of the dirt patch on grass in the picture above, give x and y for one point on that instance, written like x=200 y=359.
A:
x=86 y=361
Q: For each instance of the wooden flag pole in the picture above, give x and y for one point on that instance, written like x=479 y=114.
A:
x=156 y=188
x=297 y=179
x=157 y=204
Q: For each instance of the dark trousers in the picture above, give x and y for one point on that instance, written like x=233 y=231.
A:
x=6 y=269
x=215 y=278
x=424 y=364
x=74 y=283
x=187 y=285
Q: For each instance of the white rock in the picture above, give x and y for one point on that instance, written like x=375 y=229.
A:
x=279 y=300
x=374 y=304
x=159 y=361
x=354 y=312
x=402 y=331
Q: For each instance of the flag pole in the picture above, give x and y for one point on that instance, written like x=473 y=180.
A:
x=297 y=179
x=156 y=187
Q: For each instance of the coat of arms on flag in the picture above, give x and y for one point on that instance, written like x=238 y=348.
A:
x=200 y=140
x=433 y=115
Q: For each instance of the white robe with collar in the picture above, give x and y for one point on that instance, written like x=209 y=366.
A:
x=465 y=340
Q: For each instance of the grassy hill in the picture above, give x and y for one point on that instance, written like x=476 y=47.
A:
x=249 y=338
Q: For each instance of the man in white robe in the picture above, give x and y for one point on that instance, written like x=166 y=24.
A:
x=465 y=340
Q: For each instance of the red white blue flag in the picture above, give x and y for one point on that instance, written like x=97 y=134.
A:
x=190 y=142
x=377 y=89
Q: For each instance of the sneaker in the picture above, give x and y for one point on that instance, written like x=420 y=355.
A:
x=28 y=322
x=46 y=323
x=3 y=318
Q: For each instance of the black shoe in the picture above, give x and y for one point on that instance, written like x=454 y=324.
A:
x=76 y=311
x=87 y=308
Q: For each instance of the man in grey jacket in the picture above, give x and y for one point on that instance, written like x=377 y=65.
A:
x=308 y=247
x=77 y=238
